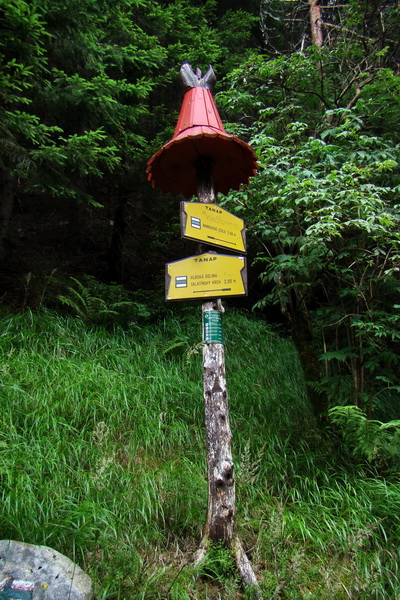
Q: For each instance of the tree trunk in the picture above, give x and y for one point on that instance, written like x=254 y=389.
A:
x=74 y=234
x=117 y=246
x=7 y=195
x=316 y=23
x=303 y=340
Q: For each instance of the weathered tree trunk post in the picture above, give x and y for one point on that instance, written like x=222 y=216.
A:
x=221 y=508
x=221 y=484
x=220 y=524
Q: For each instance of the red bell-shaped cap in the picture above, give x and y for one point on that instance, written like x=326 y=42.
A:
x=199 y=134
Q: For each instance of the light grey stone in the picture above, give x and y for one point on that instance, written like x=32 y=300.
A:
x=55 y=576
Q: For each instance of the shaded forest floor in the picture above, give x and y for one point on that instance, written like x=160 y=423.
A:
x=102 y=437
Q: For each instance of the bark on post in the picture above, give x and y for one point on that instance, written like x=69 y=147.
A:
x=221 y=484
x=221 y=508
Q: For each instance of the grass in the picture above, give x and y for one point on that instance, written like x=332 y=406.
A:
x=102 y=457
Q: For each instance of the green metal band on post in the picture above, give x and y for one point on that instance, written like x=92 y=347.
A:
x=212 y=327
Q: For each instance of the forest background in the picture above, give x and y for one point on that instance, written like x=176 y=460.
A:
x=89 y=91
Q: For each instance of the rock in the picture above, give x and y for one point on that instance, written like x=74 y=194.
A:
x=40 y=573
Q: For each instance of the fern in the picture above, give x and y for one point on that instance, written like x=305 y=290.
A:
x=367 y=438
x=175 y=347
x=95 y=302
x=84 y=303
x=248 y=470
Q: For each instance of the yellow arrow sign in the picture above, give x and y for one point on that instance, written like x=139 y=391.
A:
x=212 y=224
x=207 y=275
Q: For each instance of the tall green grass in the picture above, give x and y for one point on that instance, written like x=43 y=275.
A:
x=102 y=457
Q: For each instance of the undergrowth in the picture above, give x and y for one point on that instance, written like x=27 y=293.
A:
x=102 y=457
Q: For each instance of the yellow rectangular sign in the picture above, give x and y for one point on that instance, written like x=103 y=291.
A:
x=212 y=224
x=207 y=275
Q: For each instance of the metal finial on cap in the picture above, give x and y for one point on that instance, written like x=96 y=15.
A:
x=191 y=79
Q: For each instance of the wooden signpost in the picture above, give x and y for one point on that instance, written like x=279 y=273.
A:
x=221 y=509
x=211 y=161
